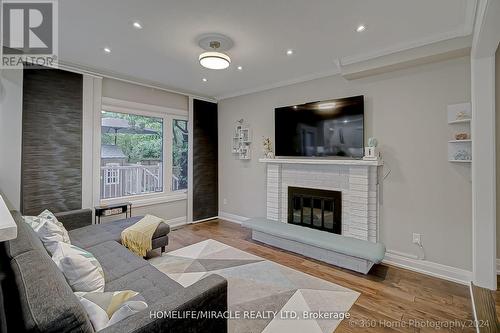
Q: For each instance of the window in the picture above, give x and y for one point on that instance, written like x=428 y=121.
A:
x=131 y=154
x=144 y=153
x=179 y=154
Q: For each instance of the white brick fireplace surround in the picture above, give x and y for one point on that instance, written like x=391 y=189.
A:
x=356 y=179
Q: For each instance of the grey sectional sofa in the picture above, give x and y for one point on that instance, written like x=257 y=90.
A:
x=87 y=234
x=37 y=297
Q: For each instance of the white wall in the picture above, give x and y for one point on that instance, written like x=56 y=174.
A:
x=140 y=94
x=497 y=120
x=406 y=111
x=11 y=103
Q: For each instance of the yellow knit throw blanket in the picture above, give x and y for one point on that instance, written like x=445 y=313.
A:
x=138 y=238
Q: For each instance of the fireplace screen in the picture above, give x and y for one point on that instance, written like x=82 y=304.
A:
x=317 y=209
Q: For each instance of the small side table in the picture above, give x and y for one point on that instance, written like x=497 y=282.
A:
x=115 y=209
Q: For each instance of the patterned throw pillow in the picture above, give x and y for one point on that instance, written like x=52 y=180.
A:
x=81 y=269
x=49 y=229
x=47 y=214
x=105 y=309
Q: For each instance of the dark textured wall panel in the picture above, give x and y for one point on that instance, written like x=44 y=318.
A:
x=205 y=160
x=52 y=141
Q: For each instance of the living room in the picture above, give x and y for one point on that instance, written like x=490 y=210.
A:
x=248 y=166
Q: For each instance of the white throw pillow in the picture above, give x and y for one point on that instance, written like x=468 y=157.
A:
x=50 y=234
x=49 y=229
x=81 y=269
x=47 y=214
x=105 y=309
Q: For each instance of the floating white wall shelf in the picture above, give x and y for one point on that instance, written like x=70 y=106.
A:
x=460 y=118
x=242 y=140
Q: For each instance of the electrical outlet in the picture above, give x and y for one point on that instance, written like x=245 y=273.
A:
x=417 y=239
x=224 y=201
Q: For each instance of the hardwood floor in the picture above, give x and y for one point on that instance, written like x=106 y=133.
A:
x=392 y=299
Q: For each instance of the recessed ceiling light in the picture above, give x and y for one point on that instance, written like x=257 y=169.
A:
x=107 y=50
x=204 y=79
x=137 y=25
x=289 y=52
x=240 y=68
x=361 y=28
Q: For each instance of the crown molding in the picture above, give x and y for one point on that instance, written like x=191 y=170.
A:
x=100 y=73
x=465 y=30
x=402 y=47
x=470 y=16
x=429 y=53
x=280 y=84
x=435 y=41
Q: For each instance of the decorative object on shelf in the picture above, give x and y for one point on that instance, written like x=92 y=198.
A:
x=268 y=148
x=371 y=152
x=462 y=116
x=242 y=140
x=461 y=136
x=459 y=113
x=462 y=155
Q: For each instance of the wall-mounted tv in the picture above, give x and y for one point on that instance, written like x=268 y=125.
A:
x=321 y=129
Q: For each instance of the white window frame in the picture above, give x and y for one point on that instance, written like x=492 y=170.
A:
x=167 y=115
x=171 y=153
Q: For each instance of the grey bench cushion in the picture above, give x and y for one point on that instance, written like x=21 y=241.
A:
x=116 y=260
x=150 y=282
x=99 y=233
x=358 y=248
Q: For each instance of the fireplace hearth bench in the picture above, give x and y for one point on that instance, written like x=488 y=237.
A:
x=346 y=252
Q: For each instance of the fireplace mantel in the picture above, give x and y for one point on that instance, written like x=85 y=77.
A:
x=321 y=161
x=357 y=180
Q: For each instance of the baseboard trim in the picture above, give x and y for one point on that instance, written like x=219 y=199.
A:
x=444 y=272
x=177 y=222
x=232 y=217
x=402 y=260
x=204 y=220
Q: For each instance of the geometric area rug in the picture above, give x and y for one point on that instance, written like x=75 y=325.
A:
x=265 y=296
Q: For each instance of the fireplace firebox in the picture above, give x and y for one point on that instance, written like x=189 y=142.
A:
x=317 y=209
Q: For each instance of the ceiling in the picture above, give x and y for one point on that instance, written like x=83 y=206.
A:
x=320 y=32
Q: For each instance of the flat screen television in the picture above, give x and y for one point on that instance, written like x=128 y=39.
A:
x=321 y=129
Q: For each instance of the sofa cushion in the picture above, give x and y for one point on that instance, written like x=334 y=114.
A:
x=107 y=308
x=111 y=231
x=116 y=260
x=80 y=267
x=46 y=302
x=152 y=284
x=48 y=215
x=26 y=240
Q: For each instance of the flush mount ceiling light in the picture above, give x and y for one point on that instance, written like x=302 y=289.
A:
x=214 y=59
x=107 y=50
x=215 y=45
